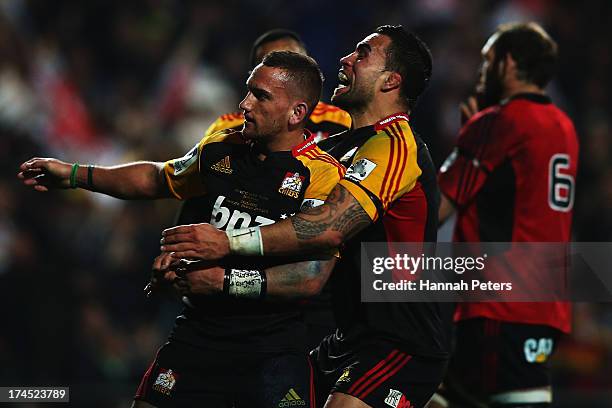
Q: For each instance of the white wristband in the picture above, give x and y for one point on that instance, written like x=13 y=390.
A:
x=245 y=241
x=245 y=284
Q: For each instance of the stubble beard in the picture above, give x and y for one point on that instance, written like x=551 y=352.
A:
x=493 y=88
x=355 y=101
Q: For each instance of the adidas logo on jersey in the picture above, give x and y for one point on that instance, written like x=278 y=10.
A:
x=292 y=399
x=223 y=166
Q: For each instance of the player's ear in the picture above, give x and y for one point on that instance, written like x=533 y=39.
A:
x=298 y=113
x=392 y=80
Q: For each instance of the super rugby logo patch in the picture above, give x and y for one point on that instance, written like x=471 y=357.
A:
x=165 y=381
x=360 y=170
x=292 y=185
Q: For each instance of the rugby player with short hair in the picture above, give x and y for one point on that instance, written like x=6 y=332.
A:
x=325 y=120
x=511 y=178
x=231 y=349
x=383 y=354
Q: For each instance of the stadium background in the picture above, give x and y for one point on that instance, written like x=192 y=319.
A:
x=113 y=81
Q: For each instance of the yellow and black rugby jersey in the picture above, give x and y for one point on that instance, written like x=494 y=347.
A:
x=324 y=121
x=384 y=167
x=392 y=176
x=237 y=190
x=309 y=177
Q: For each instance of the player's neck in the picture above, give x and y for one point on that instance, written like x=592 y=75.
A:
x=284 y=141
x=519 y=87
x=375 y=113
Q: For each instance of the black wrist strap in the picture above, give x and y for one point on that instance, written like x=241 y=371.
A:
x=264 y=284
x=90 y=176
x=226 y=281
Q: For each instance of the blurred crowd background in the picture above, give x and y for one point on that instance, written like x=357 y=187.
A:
x=109 y=81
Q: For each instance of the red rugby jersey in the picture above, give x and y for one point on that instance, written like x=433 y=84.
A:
x=512 y=179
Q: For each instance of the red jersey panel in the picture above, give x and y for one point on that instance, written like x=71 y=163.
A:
x=512 y=179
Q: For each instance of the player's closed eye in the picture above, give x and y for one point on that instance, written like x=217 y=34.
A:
x=260 y=95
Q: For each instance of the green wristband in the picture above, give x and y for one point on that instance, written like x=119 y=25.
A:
x=73 y=173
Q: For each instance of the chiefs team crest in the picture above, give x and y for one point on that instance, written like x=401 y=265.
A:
x=165 y=381
x=396 y=399
x=292 y=185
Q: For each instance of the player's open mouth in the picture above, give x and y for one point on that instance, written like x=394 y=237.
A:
x=344 y=82
x=248 y=122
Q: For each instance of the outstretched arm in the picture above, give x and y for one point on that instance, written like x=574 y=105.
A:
x=138 y=180
x=314 y=230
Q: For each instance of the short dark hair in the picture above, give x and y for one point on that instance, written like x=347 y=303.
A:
x=303 y=73
x=270 y=36
x=409 y=56
x=531 y=47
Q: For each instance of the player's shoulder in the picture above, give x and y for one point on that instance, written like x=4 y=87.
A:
x=315 y=159
x=324 y=112
x=484 y=116
x=389 y=131
x=227 y=136
x=483 y=124
x=226 y=121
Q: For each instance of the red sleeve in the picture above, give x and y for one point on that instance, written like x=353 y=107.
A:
x=482 y=146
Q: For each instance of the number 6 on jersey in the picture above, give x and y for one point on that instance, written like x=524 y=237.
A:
x=560 y=185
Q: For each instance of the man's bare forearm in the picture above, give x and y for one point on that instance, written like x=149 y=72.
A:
x=138 y=180
x=289 y=281
x=317 y=229
x=298 y=280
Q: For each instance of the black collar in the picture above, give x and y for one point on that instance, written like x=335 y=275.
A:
x=532 y=97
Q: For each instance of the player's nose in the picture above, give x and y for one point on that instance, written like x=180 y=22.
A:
x=245 y=104
x=347 y=60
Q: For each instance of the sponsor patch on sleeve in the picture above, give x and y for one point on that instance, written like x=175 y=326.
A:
x=182 y=164
x=360 y=170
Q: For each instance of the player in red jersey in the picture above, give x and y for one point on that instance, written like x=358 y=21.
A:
x=511 y=178
x=383 y=354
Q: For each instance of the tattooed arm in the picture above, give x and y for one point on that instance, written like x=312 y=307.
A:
x=320 y=228
x=315 y=230
x=298 y=280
